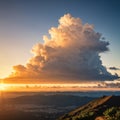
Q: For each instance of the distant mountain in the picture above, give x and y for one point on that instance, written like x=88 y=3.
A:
x=104 y=108
x=56 y=100
x=40 y=106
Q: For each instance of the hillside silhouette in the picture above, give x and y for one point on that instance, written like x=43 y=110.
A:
x=104 y=108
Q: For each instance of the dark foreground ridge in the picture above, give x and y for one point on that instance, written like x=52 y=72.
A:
x=104 y=108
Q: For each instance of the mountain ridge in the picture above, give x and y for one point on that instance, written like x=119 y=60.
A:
x=93 y=109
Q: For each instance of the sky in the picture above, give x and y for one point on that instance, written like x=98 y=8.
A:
x=26 y=54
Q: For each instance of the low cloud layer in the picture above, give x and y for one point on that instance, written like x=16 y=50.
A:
x=111 y=84
x=70 y=53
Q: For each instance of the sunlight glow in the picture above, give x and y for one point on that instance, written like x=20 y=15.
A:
x=52 y=87
x=2 y=87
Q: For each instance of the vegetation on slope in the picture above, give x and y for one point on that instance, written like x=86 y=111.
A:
x=104 y=108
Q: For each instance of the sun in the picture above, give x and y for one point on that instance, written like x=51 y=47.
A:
x=2 y=87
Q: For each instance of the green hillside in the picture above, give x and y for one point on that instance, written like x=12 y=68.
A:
x=104 y=108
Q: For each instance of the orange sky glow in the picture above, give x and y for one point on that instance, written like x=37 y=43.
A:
x=54 y=87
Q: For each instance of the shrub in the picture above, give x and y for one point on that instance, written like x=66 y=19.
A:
x=112 y=113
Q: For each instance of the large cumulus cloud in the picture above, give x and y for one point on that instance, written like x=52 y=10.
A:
x=70 y=53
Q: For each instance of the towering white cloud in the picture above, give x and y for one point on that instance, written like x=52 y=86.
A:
x=71 y=53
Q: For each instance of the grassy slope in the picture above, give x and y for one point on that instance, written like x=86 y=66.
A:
x=94 y=108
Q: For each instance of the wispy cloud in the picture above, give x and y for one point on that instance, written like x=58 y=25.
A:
x=114 y=68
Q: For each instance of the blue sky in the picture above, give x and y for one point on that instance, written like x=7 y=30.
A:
x=24 y=22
